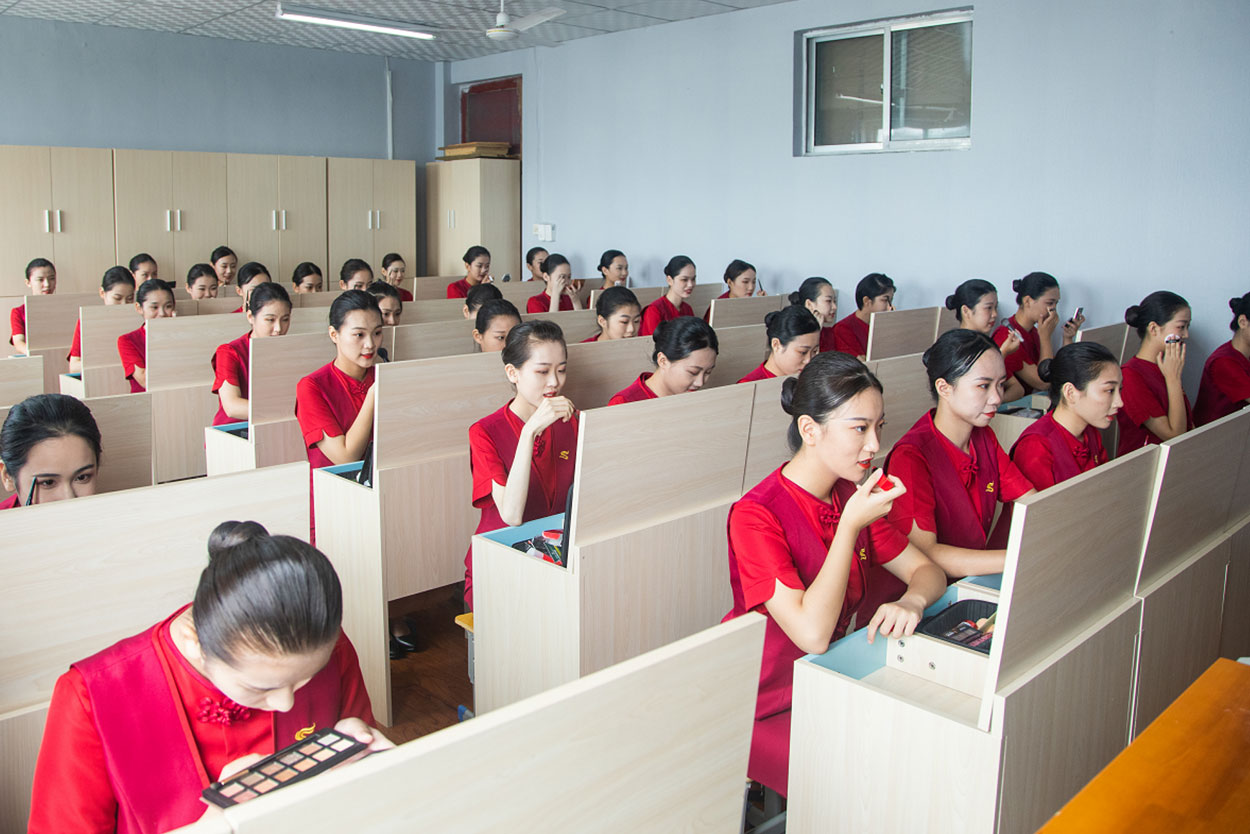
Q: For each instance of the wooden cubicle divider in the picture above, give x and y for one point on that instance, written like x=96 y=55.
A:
x=433 y=287
x=20 y=377
x=102 y=373
x=1118 y=338
x=732 y=312
x=657 y=743
x=108 y=577
x=906 y=384
x=50 y=329
x=646 y=560
x=314 y=299
x=699 y=300
x=432 y=339
x=902 y=332
x=767 y=447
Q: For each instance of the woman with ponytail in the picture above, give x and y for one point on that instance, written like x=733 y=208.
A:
x=1225 y=384
x=975 y=304
x=793 y=339
x=802 y=541
x=817 y=296
x=1155 y=406
x=1084 y=381
x=137 y=731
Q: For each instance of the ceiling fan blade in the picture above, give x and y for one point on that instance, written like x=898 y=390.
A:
x=532 y=20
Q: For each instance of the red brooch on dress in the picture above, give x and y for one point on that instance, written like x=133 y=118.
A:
x=540 y=443
x=224 y=712
x=829 y=516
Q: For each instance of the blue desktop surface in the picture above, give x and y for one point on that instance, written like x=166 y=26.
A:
x=508 y=536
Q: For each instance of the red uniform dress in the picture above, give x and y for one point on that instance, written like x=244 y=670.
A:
x=230 y=364
x=593 y=338
x=541 y=303
x=759 y=373
x=707 y=314
x=851 y=336
x=133 y=349
x=828 y=339
x=661 y=310
x=327 y=402
x=1145 y=395
x=459 y=289
x=17 y=321
x=1049 y=454
x=1225 y=384
x=778 y=531
x=134 y=733
x=1029 y=352
x=636 y=392
x=9 y=503
x=75 y=346
x=404 y=295
x=492 y=448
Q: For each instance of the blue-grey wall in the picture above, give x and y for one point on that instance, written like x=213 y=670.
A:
x=1108 y=148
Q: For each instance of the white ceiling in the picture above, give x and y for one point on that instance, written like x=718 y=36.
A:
x=250 y=20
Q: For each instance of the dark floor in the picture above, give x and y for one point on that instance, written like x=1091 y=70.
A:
x=428 y=686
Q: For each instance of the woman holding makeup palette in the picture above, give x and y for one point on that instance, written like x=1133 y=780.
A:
x=256 y=663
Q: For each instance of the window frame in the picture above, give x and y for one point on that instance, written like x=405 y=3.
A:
x=884 y=27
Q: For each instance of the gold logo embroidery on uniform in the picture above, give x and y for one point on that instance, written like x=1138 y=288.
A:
x=863 y=553
x=989 y=487
x=564 y=455
x=305 y=732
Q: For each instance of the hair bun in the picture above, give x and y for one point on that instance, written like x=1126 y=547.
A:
x=1017 y=284
x=1043 y=370
x=1132 y=316
x=770 y=318
x=951 y=302
x=1235 y=305
x=230 y=534
x=787 y=395
x=795 y=298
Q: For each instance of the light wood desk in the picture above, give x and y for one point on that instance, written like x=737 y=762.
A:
x=102 y=373
x=732 y=312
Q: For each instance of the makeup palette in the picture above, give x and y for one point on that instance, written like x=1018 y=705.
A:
x=315 y=754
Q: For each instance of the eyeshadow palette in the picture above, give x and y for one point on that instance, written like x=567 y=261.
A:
x=315 y=754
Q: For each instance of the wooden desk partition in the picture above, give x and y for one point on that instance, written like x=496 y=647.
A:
x=646 y=564
x=902 y=332
x=767 y=448
x=107 y=578
x=1118 y=338
x=20 y=377
x=50 y=330
x=600 y=754
x=453 y=337
x=733 y=312
x=906 y=384
x=102 y=373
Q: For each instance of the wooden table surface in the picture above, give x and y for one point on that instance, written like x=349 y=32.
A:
x=1188 y=771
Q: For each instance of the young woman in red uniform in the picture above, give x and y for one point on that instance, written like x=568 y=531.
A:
x=41 y=279
x=614 y=267
x=975 y=303
x=619 y=315
x=560 y=293
x=1034 y=323
x=680 y=274
x=873 y=294
x=494 y=320
x=1084 y=381
x=794 y=539
x=1225 y=384
x=684 y=356
x=269 y=314
x=817 y=295
x=307 y=277
x=793 y=339
x=355 y=274
x=740 y=279
x=951 y=462
x=476 y=271
x=201 y=282
x=1155 y=406
x=252 y=665
x=393 y=268
x=522 y=456
x=251 y=275
x=116 y=288
x=143 y=267
x=155 y=300
x=225 y=264
x=49 y=451
x=534 y=263
x=389 y=302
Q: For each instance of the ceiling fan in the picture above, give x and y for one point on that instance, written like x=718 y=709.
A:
x=505 y=28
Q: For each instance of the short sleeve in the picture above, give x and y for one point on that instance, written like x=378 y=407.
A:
x=354 y=698
x=536 y=305
x=1139 y=404
x=488 y=468
x=130 y=355
x=71 y=790
x=228 y=368
x=650 y=320
x=1012 y=482
x=1230 y=379
x=761 y=553
x=455 y=290
x=404 y=295
x=316 y=420
x=918 y=503
x=844 y=340
x=886 y=542
x=1033 y=458
x=17 y=321
x=1013 y=361
x=75 y=346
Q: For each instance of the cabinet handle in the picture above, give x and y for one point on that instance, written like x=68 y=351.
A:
x=378 y=223
x=58 y=220
x=368 y=219
x=169 y=220
x=275 y=220
x=284 y=220
x=47 y=221
x=178 y=220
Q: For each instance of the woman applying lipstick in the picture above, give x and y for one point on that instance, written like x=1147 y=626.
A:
x=795 y=537
x=1084 y=381
x=1225 y=386
x=522 y=456
x=684 y=356
x=951 y=462
x=680 y=273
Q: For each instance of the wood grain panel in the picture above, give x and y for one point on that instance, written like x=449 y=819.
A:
x=25 y=228
x=50 y=319
x=1111 y=336
x=428 y=518
x=21 y=732
x=102 y=365
x=277 y=366
x=198 y=191
x=767 y=447
x=734 y=312
x=82 y=191
x=1235 y=625
x=349 y=193
x=742 y=349
x=143 y=206
x=20 y=377
x=906 y=395
x=302 y=214
x=902 y=332
x=598 y=370
x=177 y=452
x=251 y=200
x=395 y=198
x=433 y=339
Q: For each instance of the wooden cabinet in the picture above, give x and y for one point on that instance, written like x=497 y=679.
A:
x=469 y=202
x=58 y=204
x=276 y=210
x=372 y=211
x=171 y=205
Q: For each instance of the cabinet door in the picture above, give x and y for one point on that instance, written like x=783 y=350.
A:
x=435 y=221
x=199 y=203
x=302 y=213
x=499 y=214
x=144 y=208
x=82 y=203
x=395 y=200
x=349 y=195
x=25 y=219
x=459 y=187
x=252 y=207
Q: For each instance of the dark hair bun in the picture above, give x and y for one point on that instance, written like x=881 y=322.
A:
x=952 y=303
x=770 y=318
x=1017 y=284
x=1132 y=316
x=230 y=534
x=795 y=298
x=787 y=394
x=1043 y=370
x=1235 y=305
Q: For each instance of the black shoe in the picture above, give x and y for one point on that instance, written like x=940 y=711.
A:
x=411 y=641
x=398 y=651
